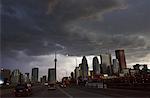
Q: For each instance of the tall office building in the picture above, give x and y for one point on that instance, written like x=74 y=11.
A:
x=96 y=66
x=22 y=78
x=80 y=71
x=72 y=75
x=15 y=76
x=27 y=80
x=120 y=55
x=115 y=66
x=51 y=74
x=43 y=79
x=77 y=72
x=84 y=68
x=106 y=63
x=35 y=74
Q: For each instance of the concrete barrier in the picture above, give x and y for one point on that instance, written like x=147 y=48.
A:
x=96 y=85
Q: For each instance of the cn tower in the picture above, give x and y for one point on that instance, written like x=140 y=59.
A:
x=55 y=60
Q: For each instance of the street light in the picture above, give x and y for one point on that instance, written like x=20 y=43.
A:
x=1 y=82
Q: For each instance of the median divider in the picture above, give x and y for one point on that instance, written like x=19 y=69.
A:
x=96 y=85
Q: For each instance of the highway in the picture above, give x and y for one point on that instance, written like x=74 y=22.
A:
x=78 y=92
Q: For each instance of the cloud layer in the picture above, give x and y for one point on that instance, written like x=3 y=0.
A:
x=76 y=27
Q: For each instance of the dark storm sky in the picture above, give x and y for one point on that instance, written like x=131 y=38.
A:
x=33 y=29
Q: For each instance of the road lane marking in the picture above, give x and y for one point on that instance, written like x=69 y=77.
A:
x=67 y=94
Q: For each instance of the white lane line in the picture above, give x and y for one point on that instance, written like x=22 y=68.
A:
x=67 y=94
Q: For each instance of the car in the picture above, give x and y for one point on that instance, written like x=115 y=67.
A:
x=51 y=86
x=22 y=90
x=46 y=84
x=29 y=85
x=62 y=85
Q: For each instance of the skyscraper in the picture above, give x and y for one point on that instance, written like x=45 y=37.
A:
x=77 y=72
x=15 y=76
x=84 y=68
x=106 y=63
x=35 y=74
x=43 y=79
x=120 y=55
x=51 y=74
x=115 y=66
x=72 y=75
x=22 y=78
x=27 y=80
x=80 y=70
x=96 y=66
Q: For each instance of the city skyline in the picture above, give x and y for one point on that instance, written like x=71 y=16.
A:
x=83 y=72
x=65 y=71
x=90 y=66
x=32 y=32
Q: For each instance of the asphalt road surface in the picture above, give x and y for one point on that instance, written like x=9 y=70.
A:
x=78 y=92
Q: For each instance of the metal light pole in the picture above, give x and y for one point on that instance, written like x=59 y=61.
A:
x=76 y=62
x=76 y=77
x=55 y=60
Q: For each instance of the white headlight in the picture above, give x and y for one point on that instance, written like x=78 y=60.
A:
x=1 y=82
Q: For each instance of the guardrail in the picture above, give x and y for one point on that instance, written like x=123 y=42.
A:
x=96 y=85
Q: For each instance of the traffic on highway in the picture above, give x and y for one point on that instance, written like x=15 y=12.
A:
x=70 y=92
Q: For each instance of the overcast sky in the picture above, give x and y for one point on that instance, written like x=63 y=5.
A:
x=32 y=30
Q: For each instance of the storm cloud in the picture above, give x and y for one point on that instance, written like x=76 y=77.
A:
x=76 y=27
x=35 y=27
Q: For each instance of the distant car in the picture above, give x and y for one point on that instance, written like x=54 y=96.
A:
x=51 y=86
x=29 y=85
x=63 y=85
x=7 y=84
x=22 y=90
x=46 y=84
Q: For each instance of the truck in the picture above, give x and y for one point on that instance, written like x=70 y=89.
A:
x=51 y=79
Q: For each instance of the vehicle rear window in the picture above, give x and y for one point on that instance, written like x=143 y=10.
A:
x=20 y=87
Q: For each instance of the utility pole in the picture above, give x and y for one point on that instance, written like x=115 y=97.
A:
x=55 y=60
